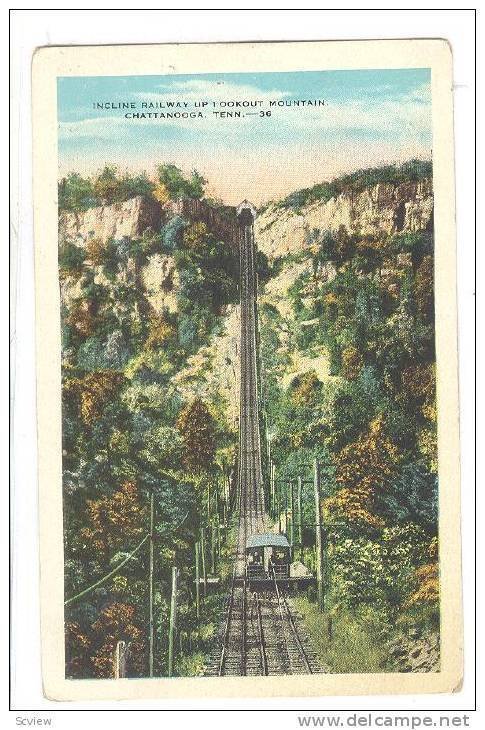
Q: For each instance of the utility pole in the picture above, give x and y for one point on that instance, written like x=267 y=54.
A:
x=197 y=580
x=150 y=584
x=300 y=517
x=173 y=620
x=217 y=497
x=202 y=552
x=292 y=523
x=208 y=502
x=271 y=487
x=286 y=508
x=279 y=507
x=120 y=660
x=213 y=549
x=318 y=534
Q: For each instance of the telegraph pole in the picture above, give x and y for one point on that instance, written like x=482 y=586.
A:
x=173 y=620
x=318 y=534
x=271 y=487
x=120 y=659
x=202 y=552
x=292 y=523
x=216 y=485
x=213 y=549
x=279 y=507
x=150 y=583
x=197 y=580
x=286 y=508
x=300 y=517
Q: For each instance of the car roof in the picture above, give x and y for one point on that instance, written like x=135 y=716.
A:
x=267 y=539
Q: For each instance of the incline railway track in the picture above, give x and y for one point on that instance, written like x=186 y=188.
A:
x=261 y=633
x=261 y=636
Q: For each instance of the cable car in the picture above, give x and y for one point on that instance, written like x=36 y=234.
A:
x=267 y=557
x=246 y=213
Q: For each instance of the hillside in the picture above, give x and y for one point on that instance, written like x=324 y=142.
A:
x=150 y=323
x=149 y=301
x=347 y=349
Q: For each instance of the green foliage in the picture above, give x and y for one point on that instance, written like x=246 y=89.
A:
x=197 y=430
x=177 y=185
x=127 y=429
x=172 y=233
x=365 y=305
x=76 y=193
x=358 y=637
x=348 y=379
x=414 y=170
x=71 y=259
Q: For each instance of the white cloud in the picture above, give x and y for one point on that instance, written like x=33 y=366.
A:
x=262 y=159
x=407 y=115
x=97 y=127
x=204 y=89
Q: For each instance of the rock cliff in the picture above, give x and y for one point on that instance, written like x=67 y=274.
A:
x=119 y=220
x=381 y=210
x=287 y=235
x=214 y=368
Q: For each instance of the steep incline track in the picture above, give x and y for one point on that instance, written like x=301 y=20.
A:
x=260 y=635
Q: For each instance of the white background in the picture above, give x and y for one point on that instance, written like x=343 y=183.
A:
x=31 y=28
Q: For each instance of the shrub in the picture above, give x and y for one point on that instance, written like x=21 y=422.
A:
x=414 y=170
x=71 y=259
x=76 y=193
x=172 y=233
x=197 y=429
x=177 y=185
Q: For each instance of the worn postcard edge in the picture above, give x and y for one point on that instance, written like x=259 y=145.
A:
x=51 y=62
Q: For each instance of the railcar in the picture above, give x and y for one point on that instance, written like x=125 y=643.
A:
x=246 y=213
x=268 y=557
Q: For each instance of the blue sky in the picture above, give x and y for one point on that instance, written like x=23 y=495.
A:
x=370 y=117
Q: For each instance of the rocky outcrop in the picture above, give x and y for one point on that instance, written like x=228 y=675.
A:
x=292 y=235
x=213 y=372
x=415 y=652
x=117 y=221
x=160 y=281
x=131 y=219
x=381 y=210
x=221 y=222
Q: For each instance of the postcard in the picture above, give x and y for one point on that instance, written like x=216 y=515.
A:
x=247 y=369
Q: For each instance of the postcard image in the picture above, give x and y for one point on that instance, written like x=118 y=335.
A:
x=246 y=328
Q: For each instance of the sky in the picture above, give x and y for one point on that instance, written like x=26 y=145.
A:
x=370 y=117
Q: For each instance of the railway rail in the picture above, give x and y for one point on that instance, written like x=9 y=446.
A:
x=261 y=634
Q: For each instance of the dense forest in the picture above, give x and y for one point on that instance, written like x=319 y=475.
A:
x=349 y=365
x=347 y=375
x=128 y=430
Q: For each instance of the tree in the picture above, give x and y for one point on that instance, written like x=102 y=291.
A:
x=306 y=388
x=178 y=186
x=161 y=332
x=96 y=390
x=424 y=288
x=117 y=622
x=71 y=259
x=363 y=470
x=96 y=251
x=75 y=193
x=115 y=520
x=197 y=429
x=195 y=237
x=107 y=186
x=352 y=362
x=161 y=193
